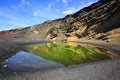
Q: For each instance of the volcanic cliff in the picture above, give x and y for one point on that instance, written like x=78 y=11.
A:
x=100 y=20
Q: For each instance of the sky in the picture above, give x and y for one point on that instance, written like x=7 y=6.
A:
x=24 y=13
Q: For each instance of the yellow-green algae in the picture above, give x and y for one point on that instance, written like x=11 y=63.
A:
x=70 y=53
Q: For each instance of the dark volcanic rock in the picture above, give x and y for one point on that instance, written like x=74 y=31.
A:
x=90 y=22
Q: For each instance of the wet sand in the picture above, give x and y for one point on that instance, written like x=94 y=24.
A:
x=101 y=70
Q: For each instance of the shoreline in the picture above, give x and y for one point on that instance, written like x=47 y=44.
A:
x=100 y=70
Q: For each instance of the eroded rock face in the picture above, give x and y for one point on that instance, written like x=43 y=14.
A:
x=90 y=22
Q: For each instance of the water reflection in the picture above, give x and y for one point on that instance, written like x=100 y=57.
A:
x=71 y=53
x=24 y=61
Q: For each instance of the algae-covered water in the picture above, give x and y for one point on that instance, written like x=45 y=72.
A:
x=52 y=55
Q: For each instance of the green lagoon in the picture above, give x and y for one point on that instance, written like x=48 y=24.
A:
x=44 y=56
x=70 y=53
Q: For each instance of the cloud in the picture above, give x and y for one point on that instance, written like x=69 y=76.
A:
x=28 y=3
x=73 y=9
x=44 y=14
x=24 y=2
x=7 y=15
x=13 y=6
x=49 y=6
x=57 y=10
x=70 y=10
x=19 y=24
x=36 y=13
x=0 y=29
x=83 y=4
x=21 y=4
x=65 y=2
x=11 y=21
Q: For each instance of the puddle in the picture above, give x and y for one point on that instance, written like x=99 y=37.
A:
x=45 y=56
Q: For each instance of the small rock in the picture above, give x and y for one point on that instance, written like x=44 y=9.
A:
x=4 y=65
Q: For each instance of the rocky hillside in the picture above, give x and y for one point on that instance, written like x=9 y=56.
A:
x=100 y=20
